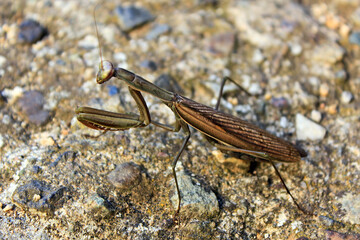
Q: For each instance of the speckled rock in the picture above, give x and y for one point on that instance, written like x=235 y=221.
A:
x=39 y=196
x=195 y=200
x=98 y=207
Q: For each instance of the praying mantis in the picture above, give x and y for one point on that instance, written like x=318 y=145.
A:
x=224 y=131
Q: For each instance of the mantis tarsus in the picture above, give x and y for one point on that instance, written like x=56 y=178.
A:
x=225 y=131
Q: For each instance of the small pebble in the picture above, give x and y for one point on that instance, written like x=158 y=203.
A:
x=324 y=90
x=157 y=30
x=257 y=57
x=340 y=77
x=167 y=82
x=99 y=207
x=283 y=122
x=314 y=81
x=36 y=197
x=31 y=31
x=206 y=2
x=327 y=53
x=308 y=130
x=126 y=176
x=255 y=89
x=112 y=90
x=8 y=208
x=36 y=169
x=332 y=109
x=131 y=17
x=327 y=221
x=88 y=42
x=2 y=142
x=120 y=56
x=149 y=64
x=355 y=17
x=3 y=60
x=243 y=109
x=280 y=102
x=222 y=43
x=332 y=21
x=6 y=119
x=31 y=104
x=346 y=97
x=315 y=115
x=295 y=49
x=344 y=30
x=12 y=95
x=354 y=38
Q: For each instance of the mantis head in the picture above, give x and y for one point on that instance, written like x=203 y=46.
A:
x=106 y=71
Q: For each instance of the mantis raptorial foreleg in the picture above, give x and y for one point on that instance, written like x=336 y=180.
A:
x=111 y=121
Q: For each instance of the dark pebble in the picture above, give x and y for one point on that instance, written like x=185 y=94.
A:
x=31 y=31
x=354 y=38
x=280 y=102
x=112 y=90
x=31 y=104
x=131 y=17
x=157 y=30
x=126 y=176
x=36 y=169
x=39 y=196
x=149 y=64
x=169 y=83
x=207 y=2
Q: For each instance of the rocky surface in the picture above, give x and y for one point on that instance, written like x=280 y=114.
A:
x=61 y=180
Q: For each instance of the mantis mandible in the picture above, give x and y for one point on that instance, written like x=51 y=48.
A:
x=224 y=131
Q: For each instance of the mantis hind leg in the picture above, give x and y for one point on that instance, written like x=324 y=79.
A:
x=261 y=156
x=222 y=89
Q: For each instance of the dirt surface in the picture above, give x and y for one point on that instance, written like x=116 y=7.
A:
x=62 y=180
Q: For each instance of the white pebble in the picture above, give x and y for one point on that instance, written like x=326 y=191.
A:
x=6 y=119
x=296 y=49
x=307 y=129
x=2 y=142
x=258 y=57
x=88 y=42
x=12 y=94
x=346 y=97
x=2 y=61
x=283 y=122
x=315 y=115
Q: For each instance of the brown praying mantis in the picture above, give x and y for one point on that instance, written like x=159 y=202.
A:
x=224 y=131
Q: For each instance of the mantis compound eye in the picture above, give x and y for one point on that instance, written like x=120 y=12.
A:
x=106 y=71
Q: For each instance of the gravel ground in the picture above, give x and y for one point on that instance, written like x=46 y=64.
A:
x=62 y=180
